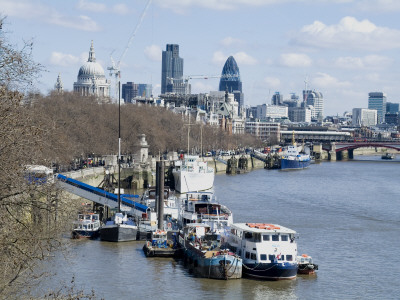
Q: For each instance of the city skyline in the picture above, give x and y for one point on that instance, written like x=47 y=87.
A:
x=343 y=49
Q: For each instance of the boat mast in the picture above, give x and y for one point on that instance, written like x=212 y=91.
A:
x=119 y=145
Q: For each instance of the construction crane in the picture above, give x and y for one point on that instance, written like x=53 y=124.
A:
x=189 y=77
x=115 y=66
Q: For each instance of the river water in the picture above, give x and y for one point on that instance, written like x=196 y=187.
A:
x=347 y=215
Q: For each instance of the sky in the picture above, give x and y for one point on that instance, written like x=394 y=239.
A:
x=341 y=48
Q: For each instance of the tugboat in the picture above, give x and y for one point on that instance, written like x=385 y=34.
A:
x=269 y=251
x=162 y=244
x=203 y=253
x=306 y=265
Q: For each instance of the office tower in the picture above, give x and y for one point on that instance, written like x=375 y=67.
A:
x=377 y=100
x=392 y=108
x=230 y=81
x=364 y=117
x=277 y=99
x=172 y=71
x=316 y=100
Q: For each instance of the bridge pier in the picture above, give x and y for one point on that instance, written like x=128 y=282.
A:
x=317 y=151
x=351 y=153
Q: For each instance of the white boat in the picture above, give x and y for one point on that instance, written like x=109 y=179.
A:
x=203 y=207
x=192 y=175
x=171 y=202
x=269 y=251
x=87 y=226
x=119 y=229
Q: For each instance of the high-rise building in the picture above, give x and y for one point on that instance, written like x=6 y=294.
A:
x=364 y=117
x=277 y=99
x=316 y=100
x=172 y=71
x=145 y=90
x=377 y=100
x=230 y=81
x=129 y=91
x=392 y=108
x=299 y=114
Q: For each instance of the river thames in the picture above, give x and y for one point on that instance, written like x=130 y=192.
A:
x=347 y=216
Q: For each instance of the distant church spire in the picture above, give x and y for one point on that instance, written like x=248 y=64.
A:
x=59 y=85
x=92 y=57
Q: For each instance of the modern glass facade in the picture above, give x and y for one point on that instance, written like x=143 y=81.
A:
x=377 y=100
x=230 y=81
x=392 y=108
x=172 y=71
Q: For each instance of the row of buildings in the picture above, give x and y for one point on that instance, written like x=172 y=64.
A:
x=225 y=107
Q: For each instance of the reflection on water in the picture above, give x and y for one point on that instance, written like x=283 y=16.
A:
x=347 y=215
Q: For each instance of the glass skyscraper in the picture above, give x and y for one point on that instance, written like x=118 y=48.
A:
x=377 y=100
x=230 y=81
x=172 y=71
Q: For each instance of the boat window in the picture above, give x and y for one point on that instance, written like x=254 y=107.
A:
x=271 y=257
x=281 y=257
x=284 y=238
x=248 y=235
x=289 y=257
x=253 y=256
x=257 y=237
x=265 y=237
x=263 y=256
x=247 y=254
x=275 y=238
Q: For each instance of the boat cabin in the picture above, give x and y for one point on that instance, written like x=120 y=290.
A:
x=263 y=243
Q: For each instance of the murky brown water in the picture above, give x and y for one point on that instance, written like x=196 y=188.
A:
x=347 y=215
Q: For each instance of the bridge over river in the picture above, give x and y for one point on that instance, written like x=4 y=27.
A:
x=335 y=149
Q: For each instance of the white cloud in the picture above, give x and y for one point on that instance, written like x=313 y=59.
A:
x=323 y=80
x=84 y=23
x=295 y=60
x=241 y=58
x=63 y=59
x=272 y=82
x=180 y=6
x=37 y=11
x=230 y=41
x=121 y=9
x=153 y=52
x=379 y=5
x=369 y=61
x=350 y=34
x=91 y=6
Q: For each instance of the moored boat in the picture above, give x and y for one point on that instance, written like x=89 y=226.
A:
x=293 y=159
x=119 y=229
x=268 y=251
x=306 y=265
x=87 y=226
x=192 y=175
x=388 y=156
x=162 y=244
x=203 y=252
x=203 y=207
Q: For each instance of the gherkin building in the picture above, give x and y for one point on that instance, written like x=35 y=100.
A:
x=230 y=77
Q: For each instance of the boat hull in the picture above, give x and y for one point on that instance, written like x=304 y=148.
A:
x=118 y=233
x=192 y=182
x=222 y=266
x=151 y=251
x=270 y=271
x=80 y=234
x=287 y=164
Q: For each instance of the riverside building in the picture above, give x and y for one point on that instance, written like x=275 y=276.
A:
x=377 y=101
